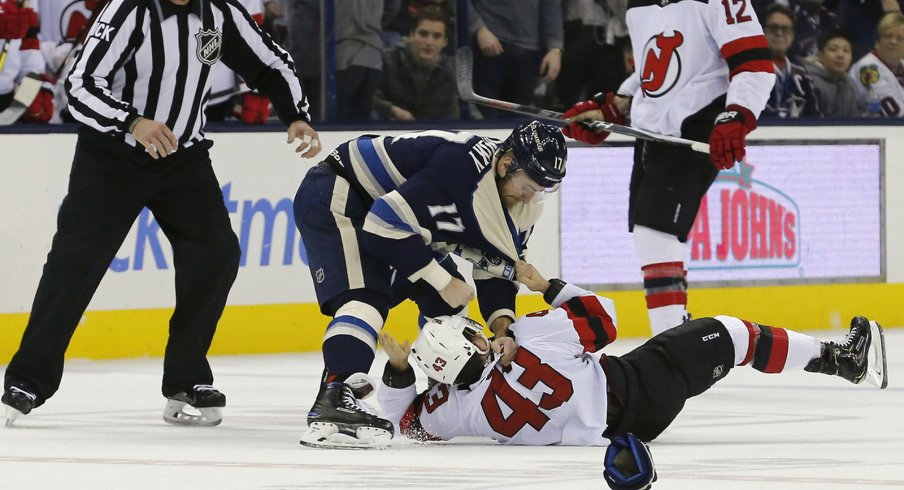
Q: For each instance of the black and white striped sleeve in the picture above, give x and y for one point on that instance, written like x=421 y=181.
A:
x=114 y=35
x=263 y=64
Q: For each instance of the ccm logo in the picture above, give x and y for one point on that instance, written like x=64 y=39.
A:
x=707 y=338
x=439 y=364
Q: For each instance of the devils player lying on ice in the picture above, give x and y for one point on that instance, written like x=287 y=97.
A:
x=549 y=389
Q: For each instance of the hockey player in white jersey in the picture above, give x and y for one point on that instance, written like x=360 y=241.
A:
x=704 y=72
x=550 y=389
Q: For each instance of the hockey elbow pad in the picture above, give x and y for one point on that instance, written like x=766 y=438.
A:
x=628 y=465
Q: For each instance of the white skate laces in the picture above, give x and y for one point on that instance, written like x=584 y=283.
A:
x=339 y=419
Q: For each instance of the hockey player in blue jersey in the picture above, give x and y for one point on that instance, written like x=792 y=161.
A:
x=379 y=218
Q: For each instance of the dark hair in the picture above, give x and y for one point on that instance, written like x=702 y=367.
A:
x=431 y=13
x=827 y=36
x=777 y=8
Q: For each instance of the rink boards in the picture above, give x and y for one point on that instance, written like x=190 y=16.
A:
x=787 y=265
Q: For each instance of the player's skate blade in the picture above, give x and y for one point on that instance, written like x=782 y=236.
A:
x=328 y=435
x=174 y=413
x=876 y=373
x=16 y=401
x=10 y=416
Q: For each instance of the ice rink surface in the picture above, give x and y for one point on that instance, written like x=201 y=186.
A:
x=103 y=430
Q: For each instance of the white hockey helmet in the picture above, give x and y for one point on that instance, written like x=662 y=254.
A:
x=446 y=352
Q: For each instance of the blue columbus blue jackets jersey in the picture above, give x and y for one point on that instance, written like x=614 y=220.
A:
x=435 y=192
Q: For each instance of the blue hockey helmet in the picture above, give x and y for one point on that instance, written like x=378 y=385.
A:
x=538 y=149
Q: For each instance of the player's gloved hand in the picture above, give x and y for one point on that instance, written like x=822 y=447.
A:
x=729 y=136
x=628 y=464
x=41 y=109
x=600 y=107
x=15 y=21
x=255 y=109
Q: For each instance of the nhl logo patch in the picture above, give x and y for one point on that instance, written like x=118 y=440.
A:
x=209 y=46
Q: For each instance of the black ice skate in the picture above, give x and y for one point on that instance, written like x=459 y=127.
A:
x=859 y=356
x=339 y=420
x=206 y=401
x=18 y=401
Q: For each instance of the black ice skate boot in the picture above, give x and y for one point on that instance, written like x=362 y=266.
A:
x=18 y=401
x=205 y=399
x=339 y=420
x=859 y=355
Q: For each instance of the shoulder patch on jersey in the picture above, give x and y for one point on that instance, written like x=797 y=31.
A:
x=869 y=75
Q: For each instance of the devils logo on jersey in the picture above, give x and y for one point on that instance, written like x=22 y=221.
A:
x=661 y=64
x=74 y=17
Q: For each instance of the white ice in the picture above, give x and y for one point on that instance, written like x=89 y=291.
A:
x=103 y=430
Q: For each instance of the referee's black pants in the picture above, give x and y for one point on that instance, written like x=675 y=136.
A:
x=109 y=184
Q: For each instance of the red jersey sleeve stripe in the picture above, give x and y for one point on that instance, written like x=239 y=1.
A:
x=592 y=323
x=763 y=66
x=739 y=45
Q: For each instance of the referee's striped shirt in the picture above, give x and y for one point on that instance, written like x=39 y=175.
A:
x=152 y=59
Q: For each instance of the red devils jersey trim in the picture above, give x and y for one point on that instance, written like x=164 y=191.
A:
x=747 y=54
x=592 y=323
x=410 y=424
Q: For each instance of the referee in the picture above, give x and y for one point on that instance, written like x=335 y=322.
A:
x=139 y=89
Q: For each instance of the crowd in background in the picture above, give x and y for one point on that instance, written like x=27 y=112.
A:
x=394 y=59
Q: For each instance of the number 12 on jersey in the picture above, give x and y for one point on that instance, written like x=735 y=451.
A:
x=735 y=18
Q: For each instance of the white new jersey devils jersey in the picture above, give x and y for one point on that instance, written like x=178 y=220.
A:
x=554 y=392
x=688 y=53
x=870 y=71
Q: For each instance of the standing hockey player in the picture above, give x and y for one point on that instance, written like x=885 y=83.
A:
x=379 y=218
x=139 y=88
x=704 y=72
x=554 y=392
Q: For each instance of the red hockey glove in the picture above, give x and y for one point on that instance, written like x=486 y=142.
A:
x=41 y=109
x=255 y=109
x=601 y=107
x=727 y=141
x=15 y=22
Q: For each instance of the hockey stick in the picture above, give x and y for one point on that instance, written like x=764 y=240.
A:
x=25 y=94
x=464 y=73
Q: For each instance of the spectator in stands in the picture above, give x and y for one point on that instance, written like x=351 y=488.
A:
x=415 y=83
x=359 y=49
x=837 y=92
x=593 y=31
x=793 y=95
x=880 y=74
x=517 y=41
x=812 y=20
x=859 y=19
